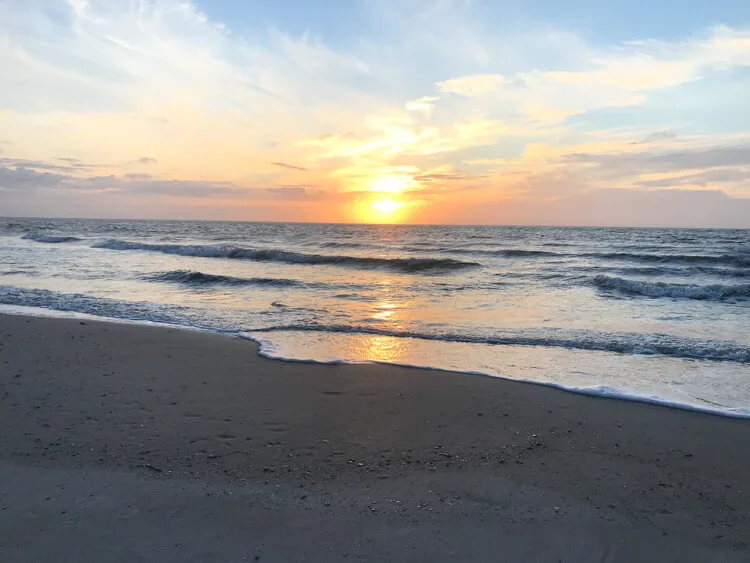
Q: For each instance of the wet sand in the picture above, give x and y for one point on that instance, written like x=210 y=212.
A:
x=140 y=443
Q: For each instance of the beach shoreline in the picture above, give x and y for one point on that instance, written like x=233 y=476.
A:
x=141 y=408
x=267 y=349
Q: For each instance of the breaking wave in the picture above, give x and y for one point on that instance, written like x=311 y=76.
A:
x=670 y=271
x=192 y=278
x=736 y=260
x=51 y=239
x=715 y=292
x=408 y=265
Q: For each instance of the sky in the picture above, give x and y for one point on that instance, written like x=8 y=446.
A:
x=544 y=112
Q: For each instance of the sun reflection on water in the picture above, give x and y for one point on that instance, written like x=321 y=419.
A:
x=381 y=349
x=384 y=311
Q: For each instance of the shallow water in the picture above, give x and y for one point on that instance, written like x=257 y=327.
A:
x=657 y=314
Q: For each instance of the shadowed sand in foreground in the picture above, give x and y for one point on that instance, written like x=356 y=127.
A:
x=135 y=443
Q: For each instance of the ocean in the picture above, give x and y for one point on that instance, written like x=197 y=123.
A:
x=656 y=315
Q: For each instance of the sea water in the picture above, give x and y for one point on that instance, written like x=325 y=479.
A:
x=659 y=315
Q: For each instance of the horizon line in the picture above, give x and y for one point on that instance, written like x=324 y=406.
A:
x=474 y=225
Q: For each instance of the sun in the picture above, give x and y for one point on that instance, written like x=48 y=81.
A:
x=383 y=210
x=385 y=202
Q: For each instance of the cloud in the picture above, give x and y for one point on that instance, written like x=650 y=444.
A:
x=659 y=208
x=709 y=177
x=290 y=166
x=386 y=137
x=309 y=53
x=70 y=166
x=622 y=75
x=610 y=207
x=27 y=181
x=657 y=136
x=79 y=7
x=423 y=105
x=144 y=161
x=472 y=85
x=665 y=161
x=137 y=177
x=440 y=176
x=290 y=193
x=544 y=173
x=15 y=179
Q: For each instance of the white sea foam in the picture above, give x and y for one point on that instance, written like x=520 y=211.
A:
x=275 y=347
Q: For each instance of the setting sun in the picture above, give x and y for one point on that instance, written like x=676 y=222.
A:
x=384 y=210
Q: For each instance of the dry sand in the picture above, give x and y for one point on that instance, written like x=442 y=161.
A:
x=132 y=443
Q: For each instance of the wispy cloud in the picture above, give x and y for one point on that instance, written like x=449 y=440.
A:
x=472 y=85
x=289 y=166
x=423 y=105
x=144 y=161
x=69 y=164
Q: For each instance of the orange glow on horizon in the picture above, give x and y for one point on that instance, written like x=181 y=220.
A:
x=385 y=203
x=386 y=211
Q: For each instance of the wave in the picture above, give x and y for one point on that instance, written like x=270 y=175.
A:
x=350 y=245
x=715 y=292
x=621 y=343
x=639 y=271
x=192 y=278
x=341 y=245
x=536 y=276
x=616 y=342
x=671 y=271
x=519 y=253
x=355 y=297
x=51 y=239
x=408 y=265
x=110 y=308
x=506 y=252
x=737 y=260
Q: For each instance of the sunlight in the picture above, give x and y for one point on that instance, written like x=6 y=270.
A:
x=382 y=349
x=385 y=197
x=386 y=206
x=385 y=211
x=385 y=311
x=391 y=183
